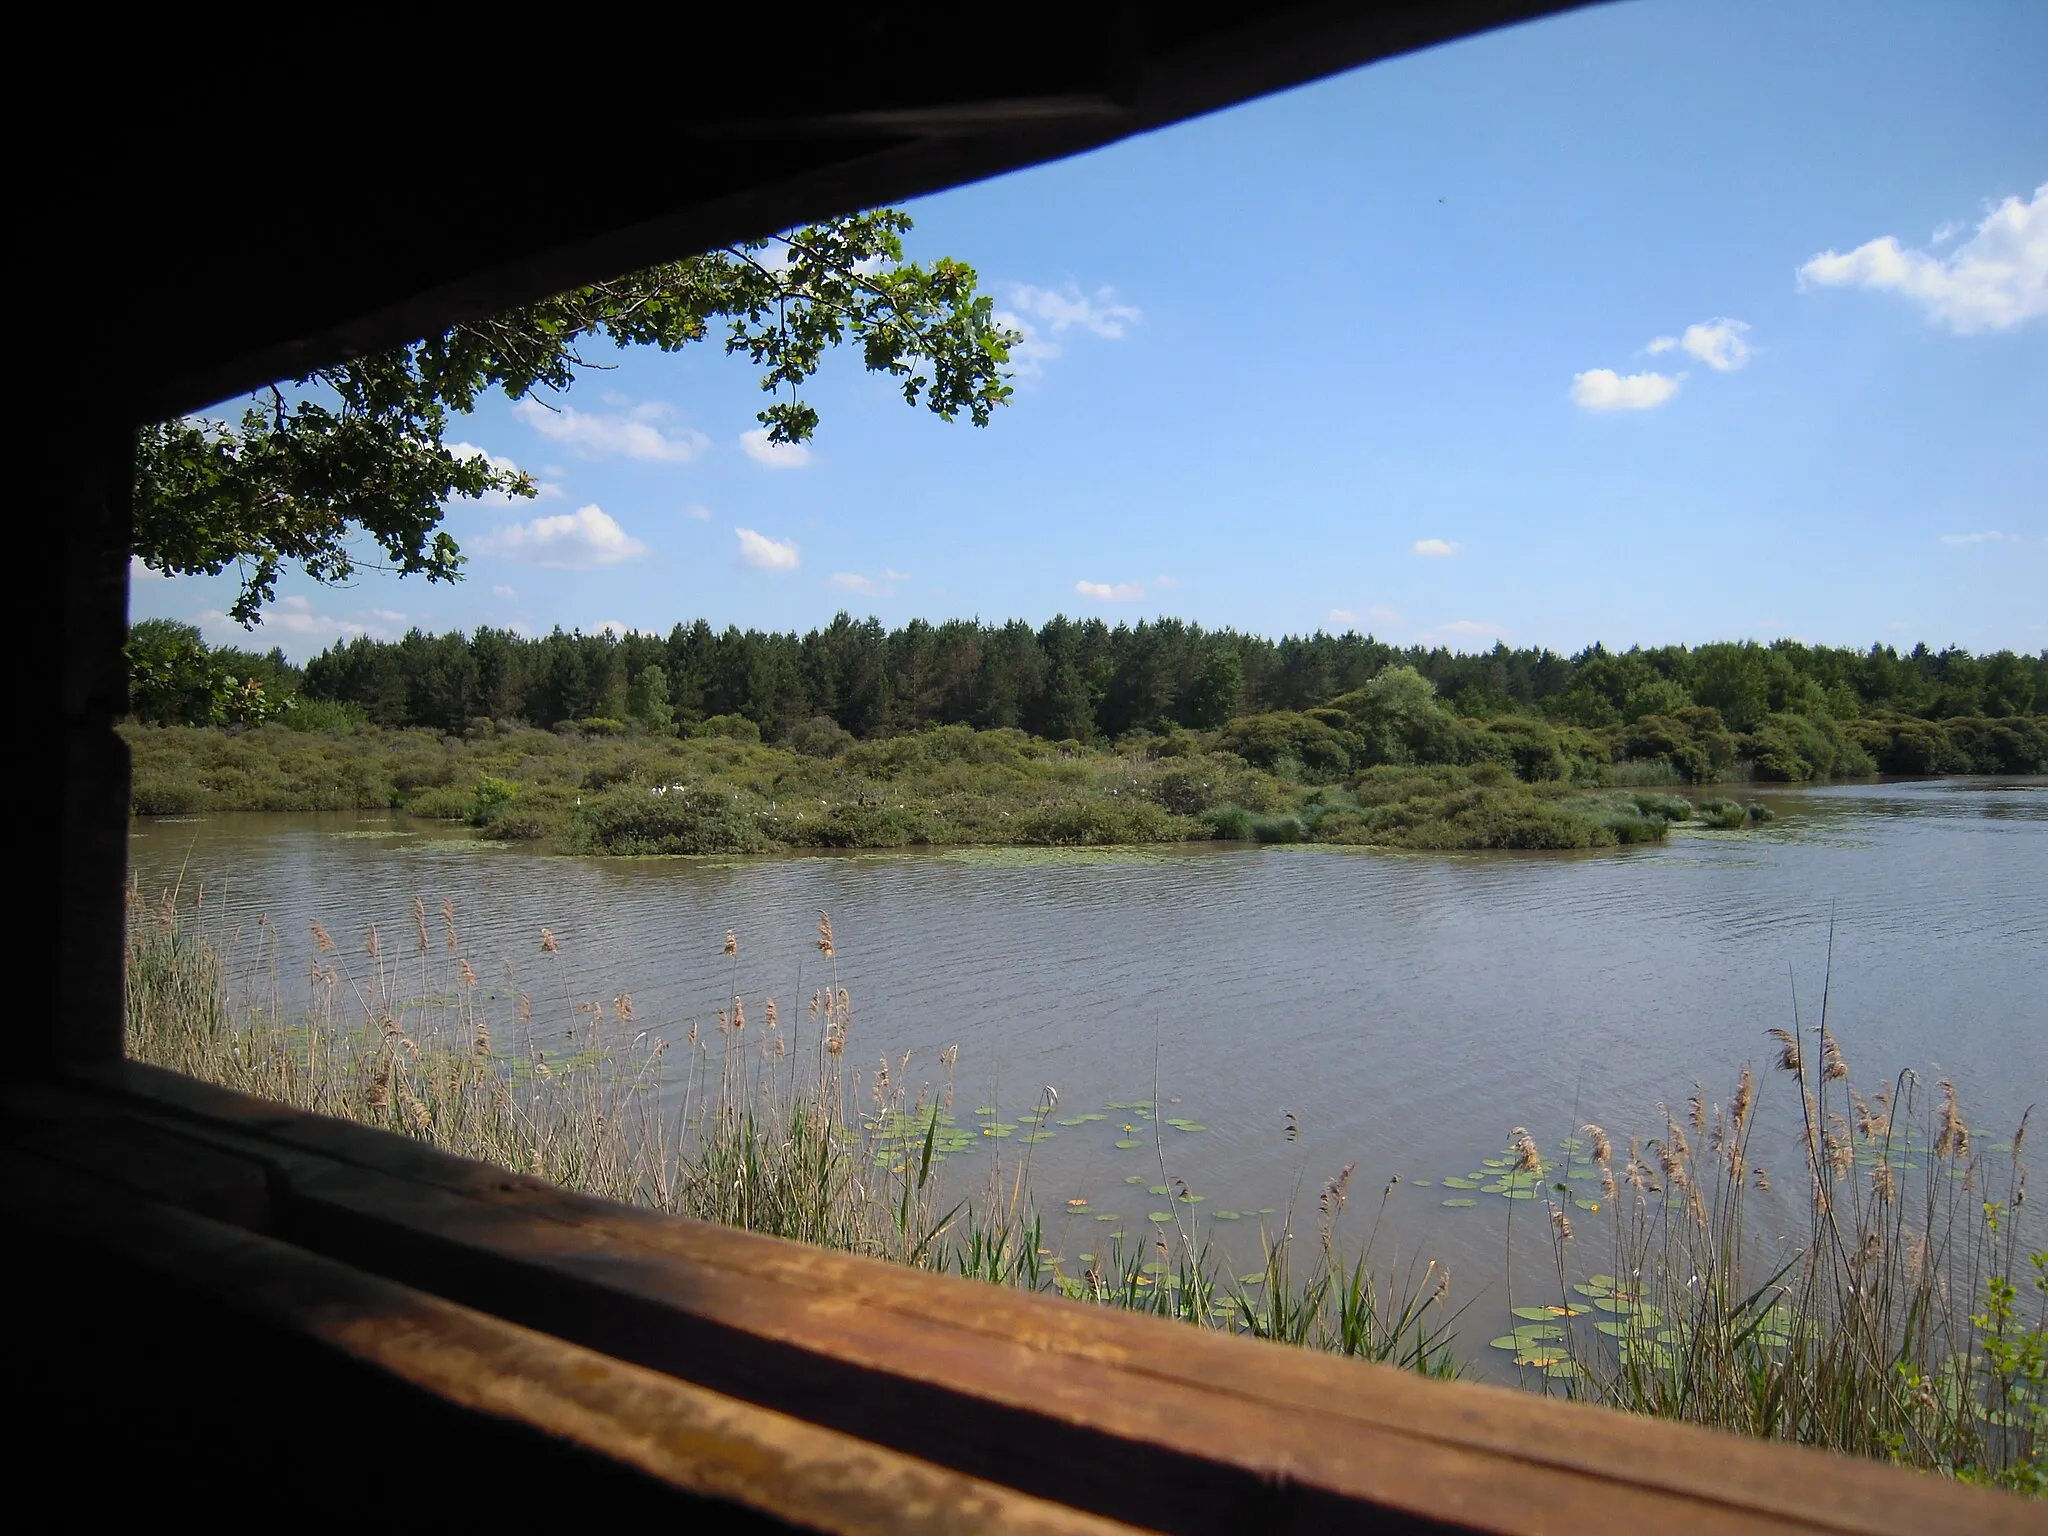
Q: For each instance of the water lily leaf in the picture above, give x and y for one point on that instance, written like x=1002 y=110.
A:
x=1612 y=1327
x=1506 y=1341
x=1107 y=1216
x=1037 y=1136
x=1189 y=1126
x=1127 y=1143
x=1073 y=1120
x=1495 y=1162
x=1422 y=1183
x=1562 y=1370
x=1590 y=1206
x=1602 y=1282
x=1134 y=1178
x=984 y=1109
x=1159 y=1215
x=1542 y=1360
x=1227 y=1216
x=1460 y=1183
x=1158 y=1189
x=1457 y=1202
x=1539 y=1314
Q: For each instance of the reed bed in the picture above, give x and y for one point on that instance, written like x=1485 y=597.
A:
x=755 y=1120
x=1900 y=1325
x=1894 y=1325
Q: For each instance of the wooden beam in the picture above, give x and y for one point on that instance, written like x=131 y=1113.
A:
x=1137 y=1419
x=722 y=1455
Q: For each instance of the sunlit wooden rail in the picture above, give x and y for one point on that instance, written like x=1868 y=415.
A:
x=838 y=1393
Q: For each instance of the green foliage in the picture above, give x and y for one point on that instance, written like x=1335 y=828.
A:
x=1308 y=746
x=175 y=679
x=647 y=701
x=359 y=447
x=731 y=727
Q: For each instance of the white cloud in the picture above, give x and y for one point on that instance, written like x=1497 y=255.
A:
x=1982 y=538
x=1098 y=312
x=544 y=490
x=568 y=541
x=884 y=585
x=138 y=571
x=772 y=454
x=1436 y=549
x=1717 y=343
x=1033 y=311
x=1378 y=613
x=1898 y=624
x=505 y=592
x=1602 y=389
x=1661 y=344
x=701 y=513
x=297 y=626
x=1111 y=592
x=616 y=628
x=634 y=434
x=1458 y=631
x=1993 y=281
x=766 y=554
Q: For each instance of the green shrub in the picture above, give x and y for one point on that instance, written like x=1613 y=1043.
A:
x=630 y=821
x=335 y=716
x=1086 y=822
x=819 y=737
x=1278 y=829
x=731 y=727
x=1229 y=824
x=439 y=803
x=1266 y=741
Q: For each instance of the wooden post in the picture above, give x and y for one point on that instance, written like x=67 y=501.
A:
x=93 y=471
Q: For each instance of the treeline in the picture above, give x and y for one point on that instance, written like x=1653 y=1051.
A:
x=1087 y=681
x=1732 y=710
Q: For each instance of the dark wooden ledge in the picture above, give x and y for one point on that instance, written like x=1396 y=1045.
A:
x=839 y=1393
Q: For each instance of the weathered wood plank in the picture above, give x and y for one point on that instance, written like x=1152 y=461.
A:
x=692 y=1439
x=1208 y=1428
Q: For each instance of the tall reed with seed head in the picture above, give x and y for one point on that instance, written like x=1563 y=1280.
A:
x=1892 y=1328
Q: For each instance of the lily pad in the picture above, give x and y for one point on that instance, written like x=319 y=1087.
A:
x=1074 y=1120
x=1186 y=1125
x=1159 y=1215
x=1457 y=1202
x=1227 y=1216
x=1456 y=1182
x=1127 y=1144
x=1107 y=1216
x=1158 y=1189
x=1422 y=1183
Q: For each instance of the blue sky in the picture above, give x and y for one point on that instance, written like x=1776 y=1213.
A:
x=1656 y=322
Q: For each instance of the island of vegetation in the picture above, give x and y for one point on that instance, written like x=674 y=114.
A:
x=1075 y=733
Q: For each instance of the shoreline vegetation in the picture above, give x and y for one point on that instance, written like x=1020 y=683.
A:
x=1076 y=734
x=1899 y=1321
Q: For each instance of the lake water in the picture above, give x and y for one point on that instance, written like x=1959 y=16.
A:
x=1406 y=1010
